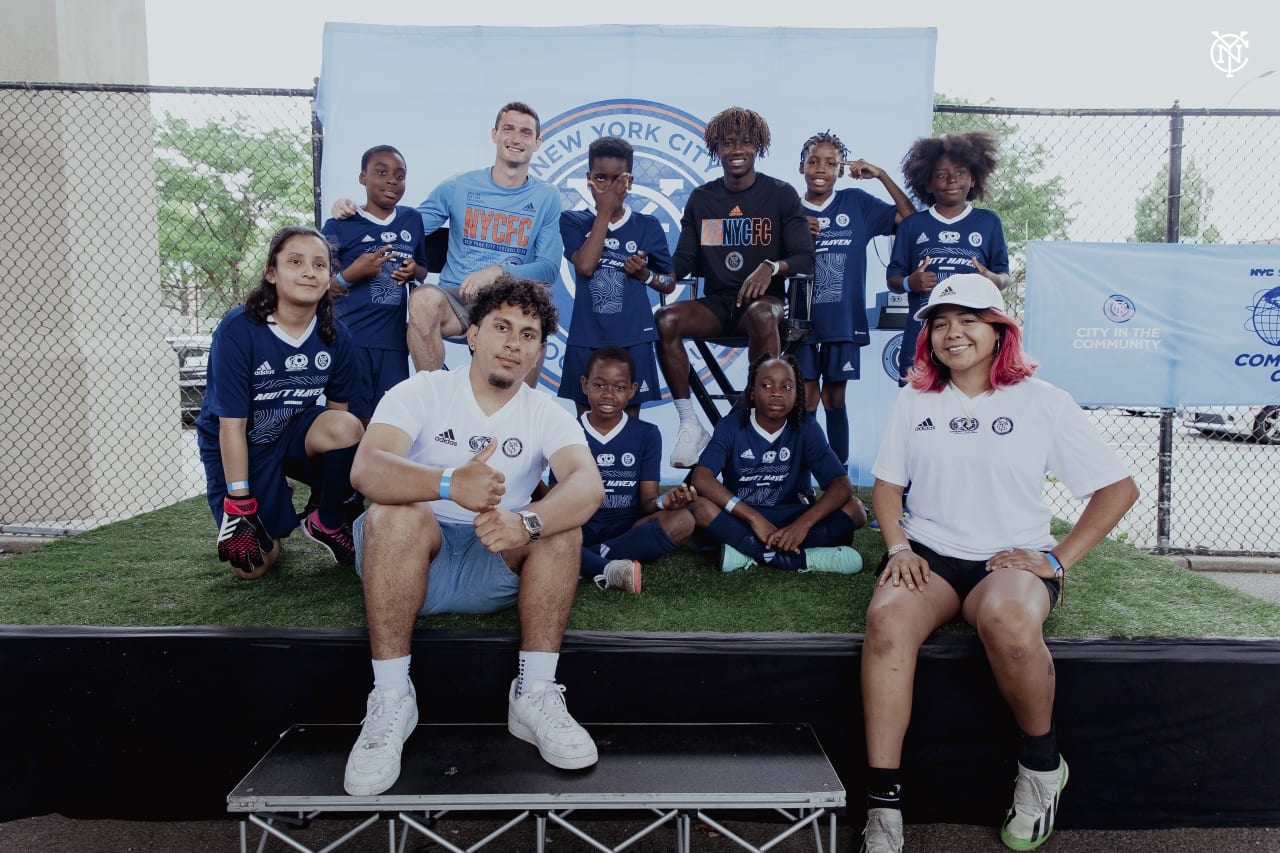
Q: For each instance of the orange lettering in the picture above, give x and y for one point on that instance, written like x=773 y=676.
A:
x=522 y=237
x=469 y=228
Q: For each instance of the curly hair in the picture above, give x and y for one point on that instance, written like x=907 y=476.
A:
x=261 y=302
x=975 y=151
x=798 y=412
x=743 y=124
x=828 y=138
x=531 y=297
x=1011 y=365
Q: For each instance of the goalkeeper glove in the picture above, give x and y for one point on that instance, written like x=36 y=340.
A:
x=243 y=539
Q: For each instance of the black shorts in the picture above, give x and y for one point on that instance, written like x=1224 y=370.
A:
x=963 y=575
x=722 y=303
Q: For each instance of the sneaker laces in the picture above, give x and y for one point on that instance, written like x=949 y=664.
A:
x=378 y=724
x=550 y=701
x=1030 y=796
x=880 y=828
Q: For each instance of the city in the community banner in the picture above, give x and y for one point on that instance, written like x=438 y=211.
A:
x=434 y=92
x=1155 y=324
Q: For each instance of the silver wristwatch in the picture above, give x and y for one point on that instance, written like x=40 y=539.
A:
x=532 y=523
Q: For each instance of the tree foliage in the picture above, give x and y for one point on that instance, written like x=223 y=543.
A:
x=1024 y=191
x=1152 y=210
x=224 y=187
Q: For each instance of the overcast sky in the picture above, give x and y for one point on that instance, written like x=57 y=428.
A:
x=1083 y=53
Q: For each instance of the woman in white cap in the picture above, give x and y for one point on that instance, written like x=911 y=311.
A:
x=973 y=435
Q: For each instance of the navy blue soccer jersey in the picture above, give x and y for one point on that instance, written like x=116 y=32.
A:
x=951 y=245
x=849 y=220
x=627 y=456
x=258 y=373
x=374 y=309
x=611 y=307
x=764 y=471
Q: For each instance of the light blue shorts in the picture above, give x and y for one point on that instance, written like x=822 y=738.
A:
x=465 y=577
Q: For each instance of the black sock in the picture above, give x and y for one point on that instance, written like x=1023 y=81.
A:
x=884 y=788
x=1039 y=752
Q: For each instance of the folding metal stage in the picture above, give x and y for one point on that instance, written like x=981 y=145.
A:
x=661 y=775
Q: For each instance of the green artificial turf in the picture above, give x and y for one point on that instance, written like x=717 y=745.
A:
x=161 y=569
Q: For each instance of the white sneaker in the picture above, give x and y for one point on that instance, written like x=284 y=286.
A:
x=540 y=717
x=374 y=763
x=883 y=833
x=840 y=560
x=620 y=574
x=690 y=441
x=1029 y=822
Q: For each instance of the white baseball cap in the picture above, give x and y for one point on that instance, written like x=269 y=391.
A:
x=968 y=290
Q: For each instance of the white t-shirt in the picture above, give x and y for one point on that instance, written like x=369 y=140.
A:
x=438 y=411
x=977 y=466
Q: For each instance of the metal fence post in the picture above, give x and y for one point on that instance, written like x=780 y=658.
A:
x=317 y=152
x=1173 y=208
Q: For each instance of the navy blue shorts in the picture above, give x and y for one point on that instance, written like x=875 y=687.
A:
x=377 y=370
x=647 y=377
x=830 y=361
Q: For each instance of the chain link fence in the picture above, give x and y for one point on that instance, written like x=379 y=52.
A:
x=135 y=216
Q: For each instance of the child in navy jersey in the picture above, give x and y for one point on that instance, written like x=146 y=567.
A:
x=617 y=254
x=633 y=524
x=270 y=361
x=766 y=454
x=842 y=222
x=952 y=236
x=380 y=252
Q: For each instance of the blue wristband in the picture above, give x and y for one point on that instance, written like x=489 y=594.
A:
x=1058 y=571
x=730 y=504
x=342 y=281
x=236 y=485
x=445 y=477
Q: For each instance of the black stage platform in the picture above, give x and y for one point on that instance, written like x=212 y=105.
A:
x=162 y=723
x=659 y=774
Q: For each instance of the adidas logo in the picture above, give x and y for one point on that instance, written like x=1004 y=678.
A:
x=847 y=366
x=747 y=454
x=264 y=369
x=737 y=211
x=368 y=238
x=948 y=291
x=529 y=208
x=644 y=385
x=923 y=238
x=446 y=437
x=924 y=425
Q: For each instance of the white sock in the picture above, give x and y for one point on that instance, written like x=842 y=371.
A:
x=684 y=408
x=536 y=666
x=392 y=674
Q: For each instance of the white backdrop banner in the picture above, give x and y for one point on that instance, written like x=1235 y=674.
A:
x=1156 y=324
x=434 y=92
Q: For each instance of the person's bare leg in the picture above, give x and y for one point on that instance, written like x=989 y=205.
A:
x=899 y=620
x=431 y=320
x=399 y=543
x=1008 y=609
x=760 y=322
x=548 y=583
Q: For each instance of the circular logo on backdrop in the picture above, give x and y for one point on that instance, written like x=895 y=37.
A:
x=889 y=357
x=1264 y=316
x=670 y=161
x=1118 y=308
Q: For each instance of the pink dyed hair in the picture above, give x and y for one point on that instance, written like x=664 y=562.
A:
x=1010 y=366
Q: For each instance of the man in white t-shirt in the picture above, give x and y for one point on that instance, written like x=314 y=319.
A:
x=449 y=461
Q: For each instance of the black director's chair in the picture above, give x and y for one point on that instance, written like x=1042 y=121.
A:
x=795 y=327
